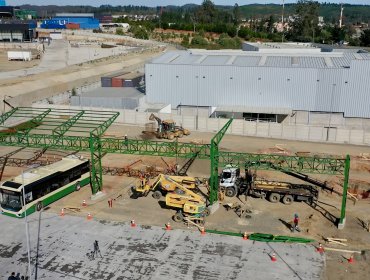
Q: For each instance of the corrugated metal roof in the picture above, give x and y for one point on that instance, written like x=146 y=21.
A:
x=215 y=60
x=251 y=109
x=252 y=59
x=278 y=61
x=105 y=92
x=247 y=60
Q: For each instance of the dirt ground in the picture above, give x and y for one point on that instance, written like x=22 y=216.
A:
x=6 y=65
x=265 y=217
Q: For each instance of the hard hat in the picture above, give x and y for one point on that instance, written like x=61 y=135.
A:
x=296 y=215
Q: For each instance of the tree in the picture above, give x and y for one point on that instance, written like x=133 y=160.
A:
x=236 y=14
x=270 y=24
x=306 y=20
x=119 y=31
x=337 y=34
x=207 y=12
x=365 y=38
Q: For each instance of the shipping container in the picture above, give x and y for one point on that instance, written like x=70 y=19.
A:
x=56 y=35
x=73 y=26
x=19 y=55
x=117 y=82
x=131 y=79
x=106 y=82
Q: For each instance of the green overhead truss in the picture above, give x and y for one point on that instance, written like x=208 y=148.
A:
x=83 y=130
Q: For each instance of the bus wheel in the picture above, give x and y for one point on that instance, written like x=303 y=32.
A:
x=288 y=199
x=39 y=206
x=78 y=186
x=274 y=197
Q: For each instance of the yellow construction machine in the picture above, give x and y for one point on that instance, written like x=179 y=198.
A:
x=168 y=129
x=188 y=202
x=163 y=184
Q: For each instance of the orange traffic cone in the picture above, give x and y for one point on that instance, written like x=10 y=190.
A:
x=133 y=223
x=320 y=249
x=245 y=236
x=84 y=203
x=351 y=259
x=202 y=231
x=168 y=226
x=89 y=217
x=62 y=213
x=273 y=257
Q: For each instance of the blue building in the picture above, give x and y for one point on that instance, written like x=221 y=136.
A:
x=85 y=21
x=2 y=3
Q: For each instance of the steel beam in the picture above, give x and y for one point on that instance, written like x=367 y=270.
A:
x=342 y=219
x=313 y=165
x=63 y=128
x=214 y=156
x=7 y=115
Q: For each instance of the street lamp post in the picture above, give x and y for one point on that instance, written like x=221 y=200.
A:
x=197 y=116
x=27 y=229
x=38 y=242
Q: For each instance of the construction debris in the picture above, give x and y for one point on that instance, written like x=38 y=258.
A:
x=338 y=241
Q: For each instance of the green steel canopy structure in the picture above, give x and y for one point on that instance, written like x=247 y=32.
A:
x=83 y=130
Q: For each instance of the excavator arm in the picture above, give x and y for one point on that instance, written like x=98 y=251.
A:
x=153 y=117
x=185 y=190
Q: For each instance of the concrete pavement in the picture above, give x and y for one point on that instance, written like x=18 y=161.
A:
x=59 y=54
x=145 y=252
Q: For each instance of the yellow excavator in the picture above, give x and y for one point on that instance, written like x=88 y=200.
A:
x=168 y=129
x=163 y=184
x=186 y=201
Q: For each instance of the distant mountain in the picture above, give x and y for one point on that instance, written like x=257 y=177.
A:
x=330 y=12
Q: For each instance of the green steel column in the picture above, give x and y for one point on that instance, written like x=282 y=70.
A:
x=215 y=157
x=342 y=219
x=213 y=183
x=96 y=167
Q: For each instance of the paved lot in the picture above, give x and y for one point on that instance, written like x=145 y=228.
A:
x=59 y=54
x=146 y=253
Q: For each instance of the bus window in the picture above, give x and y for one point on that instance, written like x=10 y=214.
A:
x=28 y=197
x=10 y=200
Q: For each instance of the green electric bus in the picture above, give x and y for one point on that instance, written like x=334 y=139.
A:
x=43 y=185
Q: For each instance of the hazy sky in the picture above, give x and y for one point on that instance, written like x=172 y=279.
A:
x=161 y=2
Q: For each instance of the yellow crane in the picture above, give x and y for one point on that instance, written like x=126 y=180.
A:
x=186 y=201
x=163 y=184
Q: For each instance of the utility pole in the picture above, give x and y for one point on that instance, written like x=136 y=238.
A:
x=341 y=15
x=282 y=21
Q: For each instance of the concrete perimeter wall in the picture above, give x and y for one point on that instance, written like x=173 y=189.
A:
x=240 y=127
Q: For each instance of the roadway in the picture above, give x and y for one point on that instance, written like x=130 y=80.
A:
x=145 y=252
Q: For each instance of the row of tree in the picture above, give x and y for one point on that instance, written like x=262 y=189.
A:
x=210 y=18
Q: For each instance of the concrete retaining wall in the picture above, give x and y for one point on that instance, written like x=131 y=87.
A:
x=241 y=127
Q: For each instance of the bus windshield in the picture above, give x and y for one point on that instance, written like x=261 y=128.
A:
x=10 y=200
x=226 y=175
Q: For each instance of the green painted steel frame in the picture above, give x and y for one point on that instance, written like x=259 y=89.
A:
x=7 y=115
x=65 y=126
x=313 y=165
x=214 y=156
x=98 y=146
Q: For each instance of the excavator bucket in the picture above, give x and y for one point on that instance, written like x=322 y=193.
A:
x=152 y=117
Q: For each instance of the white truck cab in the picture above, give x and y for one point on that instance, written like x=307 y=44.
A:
x=228 y=178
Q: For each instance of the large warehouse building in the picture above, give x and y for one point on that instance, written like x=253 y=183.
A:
x=84 y=21
x=273 y=80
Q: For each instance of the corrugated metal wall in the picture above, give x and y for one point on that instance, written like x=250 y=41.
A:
x=309 y=89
